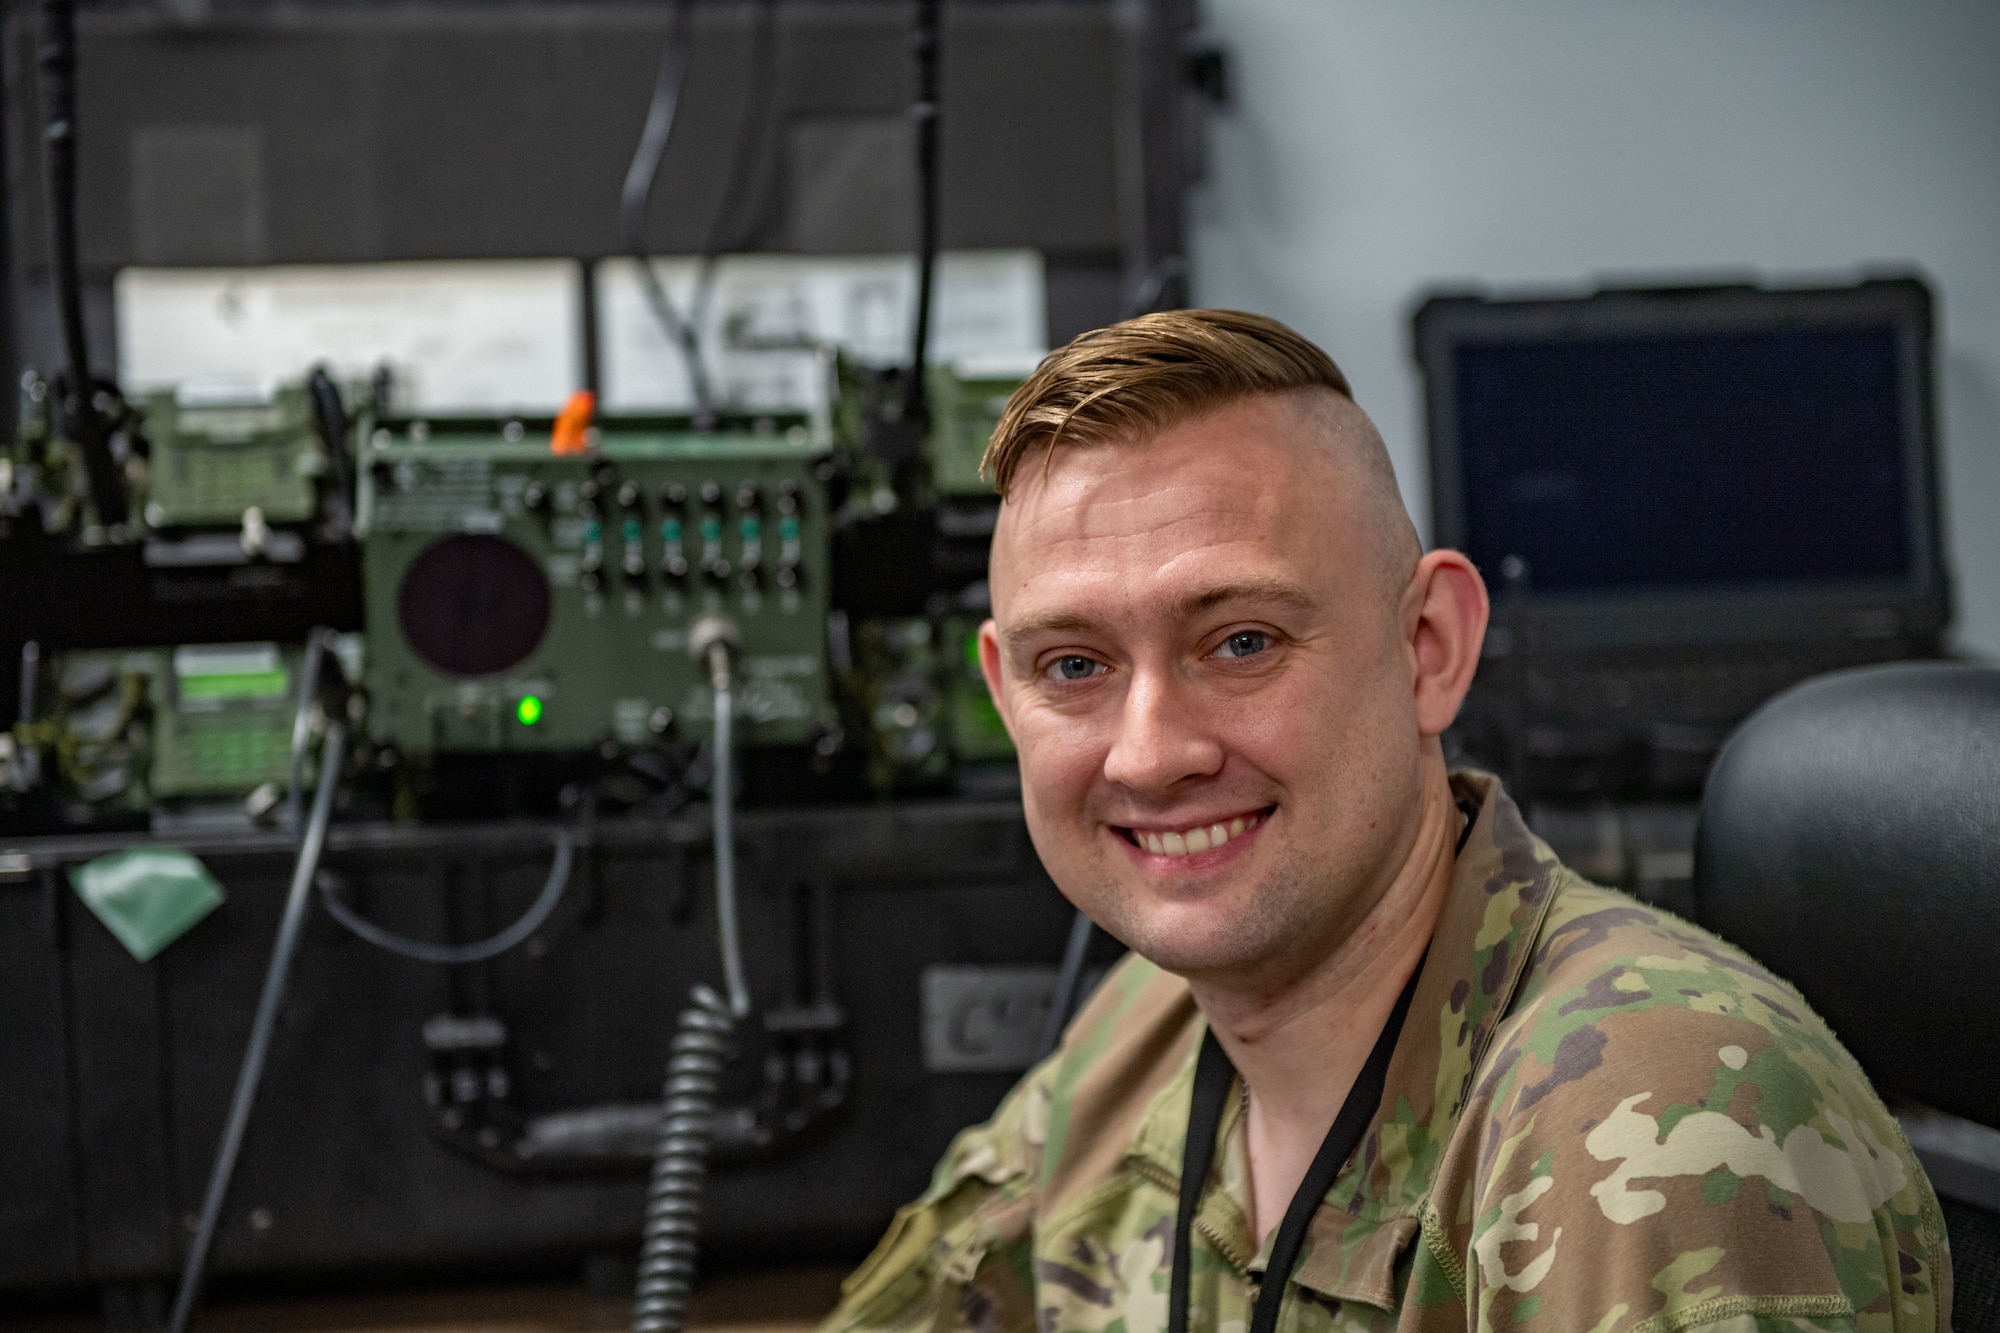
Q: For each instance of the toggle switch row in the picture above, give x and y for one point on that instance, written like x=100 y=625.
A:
x=677 y=535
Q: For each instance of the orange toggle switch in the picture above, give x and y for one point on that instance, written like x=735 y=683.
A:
x=572 y=432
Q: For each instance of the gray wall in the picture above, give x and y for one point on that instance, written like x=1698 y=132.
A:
x=1376 y=147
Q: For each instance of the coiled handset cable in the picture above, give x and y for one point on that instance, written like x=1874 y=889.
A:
x=702 y=1040
x=250 y=1075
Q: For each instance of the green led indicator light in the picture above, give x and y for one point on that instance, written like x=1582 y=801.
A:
x=529 y=710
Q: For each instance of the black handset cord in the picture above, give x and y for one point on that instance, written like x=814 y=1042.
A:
x=1213 y=1074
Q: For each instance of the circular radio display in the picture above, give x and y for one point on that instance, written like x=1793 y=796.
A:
x=473 y=605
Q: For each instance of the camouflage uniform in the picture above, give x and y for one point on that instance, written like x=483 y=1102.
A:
x=1598 y=1118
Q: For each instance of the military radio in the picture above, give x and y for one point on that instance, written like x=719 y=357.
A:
x=531 y=589
x=124 y=733
x=221 y=450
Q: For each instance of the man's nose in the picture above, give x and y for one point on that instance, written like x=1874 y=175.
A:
x=1162 y=737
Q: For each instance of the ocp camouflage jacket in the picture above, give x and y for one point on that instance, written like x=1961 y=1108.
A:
x=1598 y=1118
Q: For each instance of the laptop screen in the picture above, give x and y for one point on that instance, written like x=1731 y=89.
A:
x=1687 y=460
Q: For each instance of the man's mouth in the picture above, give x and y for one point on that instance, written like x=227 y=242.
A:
x=1196 y=837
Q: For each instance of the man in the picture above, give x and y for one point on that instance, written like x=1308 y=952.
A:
x=1377 y=1060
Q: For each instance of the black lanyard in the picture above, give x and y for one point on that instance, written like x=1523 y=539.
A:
x=1212 y=1076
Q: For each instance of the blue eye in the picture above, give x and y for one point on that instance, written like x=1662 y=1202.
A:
x=1244 y=643
x=1074 y=667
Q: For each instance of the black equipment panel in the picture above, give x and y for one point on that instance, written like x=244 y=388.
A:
x=40 y=1215
x=319 y=133
x=341 y=1170
x=378 y=132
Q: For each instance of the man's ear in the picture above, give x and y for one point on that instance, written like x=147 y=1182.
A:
x=989 y=667
x=1446 y=610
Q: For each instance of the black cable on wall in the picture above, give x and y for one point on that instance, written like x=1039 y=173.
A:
x=79 y=417
x=924 y=113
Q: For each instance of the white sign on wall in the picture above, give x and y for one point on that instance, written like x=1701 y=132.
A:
x=766 y=313
x=460 y=336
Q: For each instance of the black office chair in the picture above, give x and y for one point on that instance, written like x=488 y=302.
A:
x=1850 y=839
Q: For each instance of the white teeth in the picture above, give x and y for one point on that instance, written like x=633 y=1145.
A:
x=1201 y=838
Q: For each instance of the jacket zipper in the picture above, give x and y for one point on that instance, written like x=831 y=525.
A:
x=1172 y=1185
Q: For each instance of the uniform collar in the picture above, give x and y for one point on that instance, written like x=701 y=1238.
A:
x=1500 y=890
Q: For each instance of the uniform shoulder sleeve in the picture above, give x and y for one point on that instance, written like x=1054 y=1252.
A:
x=959 y=1257
x=962 y=1256
x=1664 y=1137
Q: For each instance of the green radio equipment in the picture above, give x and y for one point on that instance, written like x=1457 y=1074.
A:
x=222 y=449
x=234 y=452
x=966 y=400
x=530 y=586
x=223 y=719
x=46 y=481
x=123 y=731
x=972 y=724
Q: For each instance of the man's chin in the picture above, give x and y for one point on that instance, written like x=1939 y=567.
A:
x=1195 y=944
x=1235 y=923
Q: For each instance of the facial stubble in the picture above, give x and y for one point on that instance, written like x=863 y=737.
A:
x=1294 y=914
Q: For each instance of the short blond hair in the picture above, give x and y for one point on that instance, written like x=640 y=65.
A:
x=1137 y=377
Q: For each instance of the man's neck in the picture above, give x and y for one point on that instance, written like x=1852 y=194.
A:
x=1300 y=1045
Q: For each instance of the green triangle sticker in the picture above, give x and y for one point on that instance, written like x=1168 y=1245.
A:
x=147 y=897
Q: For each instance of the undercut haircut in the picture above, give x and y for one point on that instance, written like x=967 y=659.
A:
x=1137 y=377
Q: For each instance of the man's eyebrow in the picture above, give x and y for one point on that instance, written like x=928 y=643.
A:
x=1053 y=622
x=1280 y=591
x=1266 y=591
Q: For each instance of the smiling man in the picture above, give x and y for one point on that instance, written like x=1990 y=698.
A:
x=1376 y=1060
